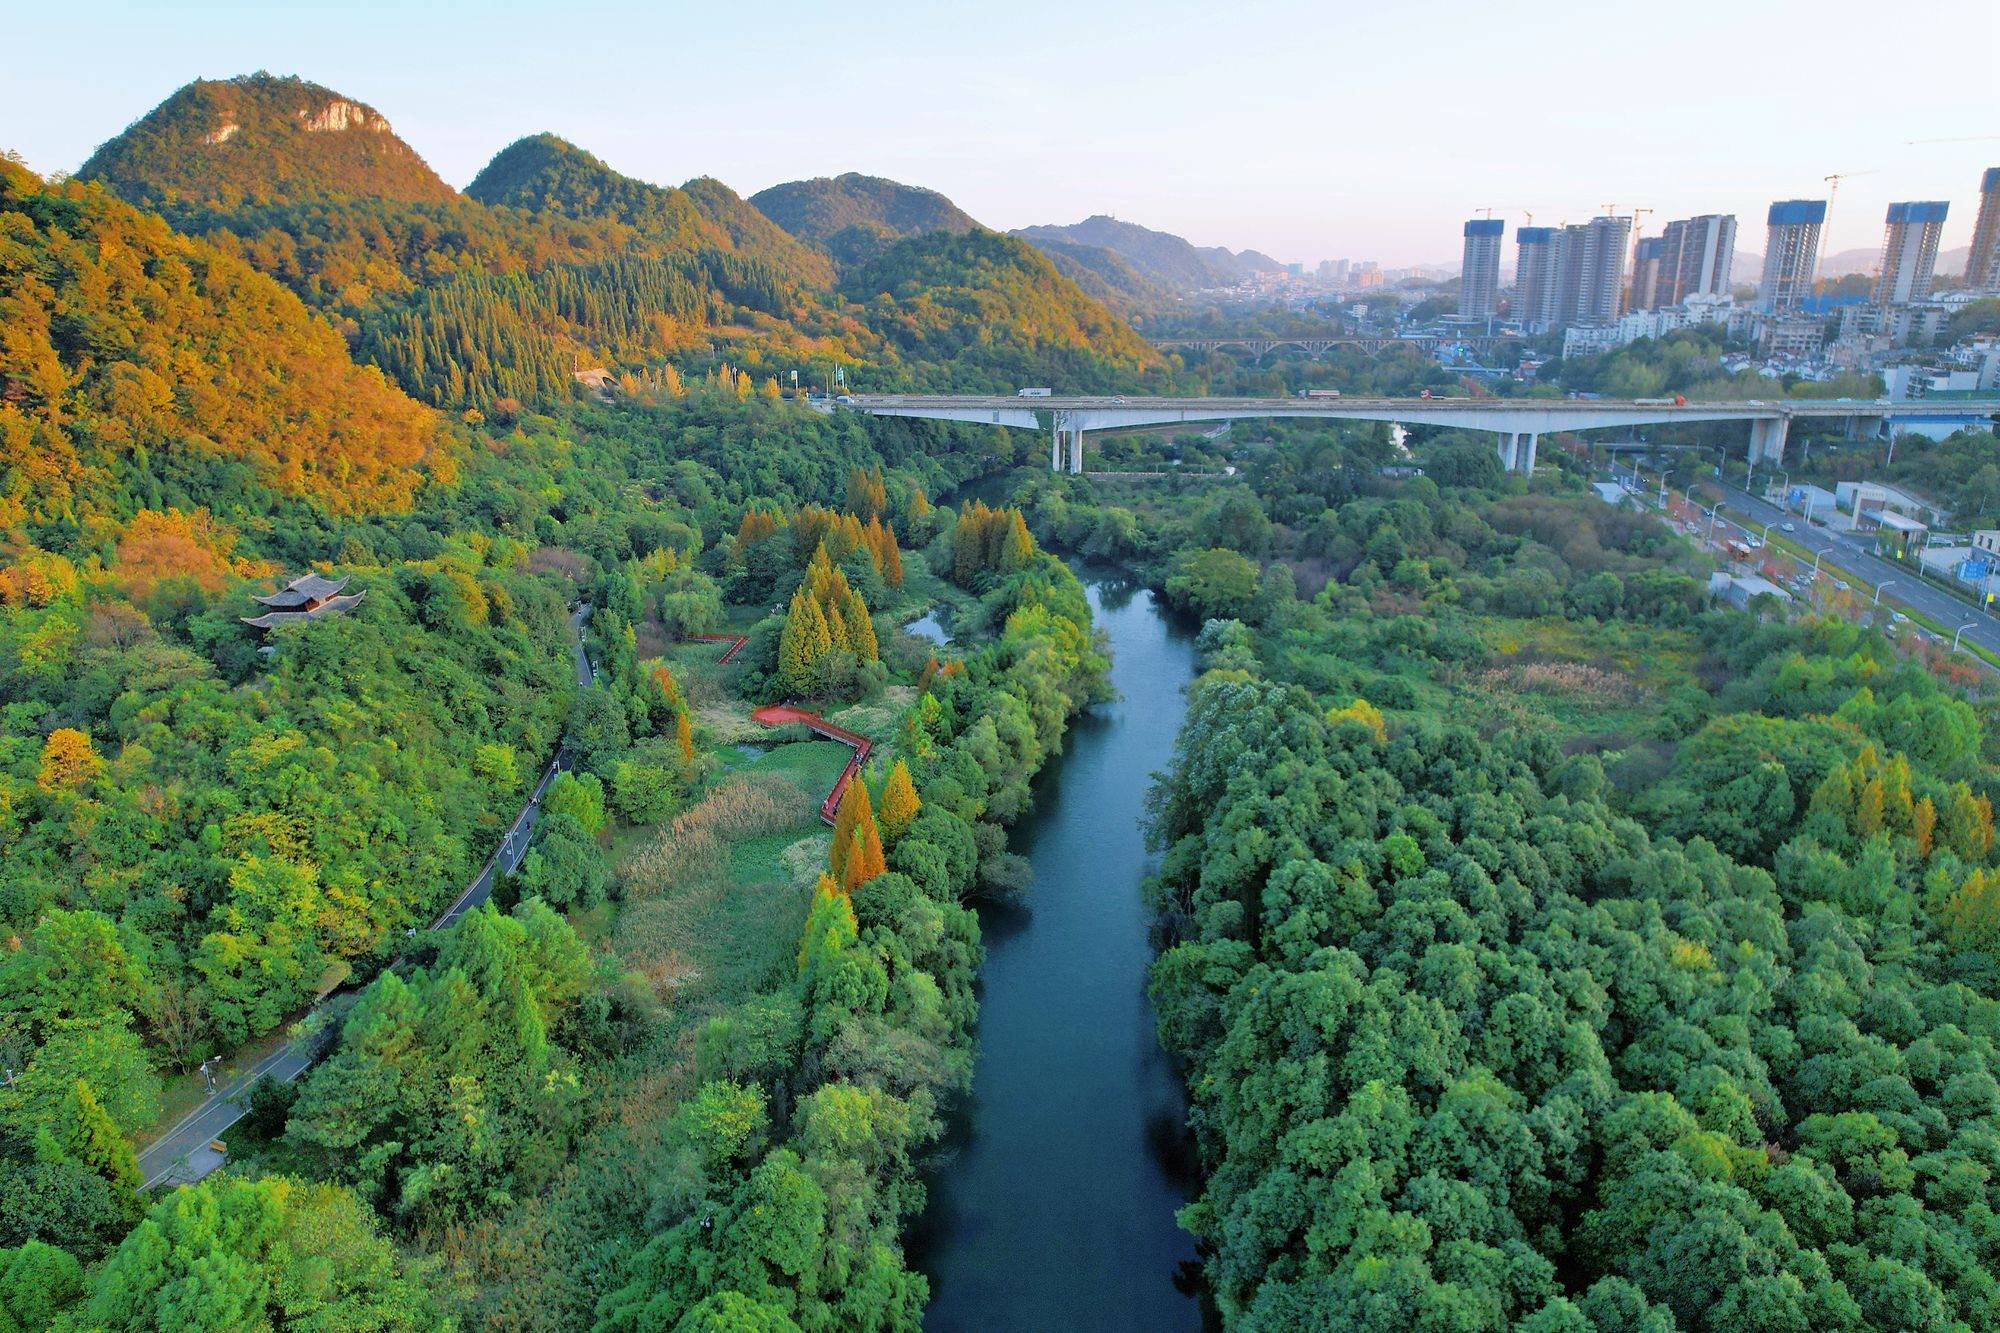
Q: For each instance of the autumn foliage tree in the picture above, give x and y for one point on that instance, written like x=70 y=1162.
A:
x=988 y=540
x=900 y=803
x=826 y=616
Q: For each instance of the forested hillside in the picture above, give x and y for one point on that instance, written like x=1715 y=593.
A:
x=1160 y=258
x=197 y=838
x=143 y=369
x=261 y=139
x=982 y=312
x=1106 y=275
x=856 y=217
x=544 y=174
x=552 y=262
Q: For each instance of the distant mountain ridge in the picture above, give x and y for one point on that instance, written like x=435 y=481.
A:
x=552 y=261
x=856 y=217
x=261 y=139
x=1160 y=258
x=543 y=173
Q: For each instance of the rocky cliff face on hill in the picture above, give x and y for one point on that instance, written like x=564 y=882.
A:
x=552 y=260
x=261 y=139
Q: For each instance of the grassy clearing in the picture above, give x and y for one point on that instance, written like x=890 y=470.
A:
x=813 y=764
x=713 y=900
x=1585 y=679
x=878 y=718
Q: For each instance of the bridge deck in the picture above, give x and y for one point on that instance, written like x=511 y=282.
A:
x=1732 y=410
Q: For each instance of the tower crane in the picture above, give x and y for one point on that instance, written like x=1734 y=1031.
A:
x=1833 y=192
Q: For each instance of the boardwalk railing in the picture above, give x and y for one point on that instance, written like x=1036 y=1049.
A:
x=778 y=715
x=735 y=642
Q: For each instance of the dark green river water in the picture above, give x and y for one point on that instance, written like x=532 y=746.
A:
x=1054 y=1206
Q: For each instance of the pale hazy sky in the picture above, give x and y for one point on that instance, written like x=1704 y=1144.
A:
x=1360 y=130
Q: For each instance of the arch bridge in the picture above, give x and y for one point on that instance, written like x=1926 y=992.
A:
x=1517 y=422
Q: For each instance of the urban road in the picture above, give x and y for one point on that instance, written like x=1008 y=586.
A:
x=1901 y=586
x=187 y=1152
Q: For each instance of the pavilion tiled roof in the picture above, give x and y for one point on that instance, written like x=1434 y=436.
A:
x=305 y=588
x=331 y=606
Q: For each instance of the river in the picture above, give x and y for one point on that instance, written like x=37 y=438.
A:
x=1053 y=1207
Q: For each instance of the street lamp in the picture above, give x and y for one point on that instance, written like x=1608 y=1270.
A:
x=1815 y=568
x=1961 y=630
x=1878 y=591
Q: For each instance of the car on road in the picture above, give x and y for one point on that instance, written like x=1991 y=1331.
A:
x=1899 y=617
x=1789 y=527
x=1840 y=585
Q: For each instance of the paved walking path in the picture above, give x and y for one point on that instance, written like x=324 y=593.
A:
x=187 y=1152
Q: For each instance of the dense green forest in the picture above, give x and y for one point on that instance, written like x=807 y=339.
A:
x=1543 y=948
x=198 y=838
x=855 y=217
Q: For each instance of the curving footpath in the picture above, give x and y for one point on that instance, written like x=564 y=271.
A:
x=782 y=715
x=187 y=1152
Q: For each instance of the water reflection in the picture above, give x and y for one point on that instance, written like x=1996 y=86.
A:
x=1053 y=1203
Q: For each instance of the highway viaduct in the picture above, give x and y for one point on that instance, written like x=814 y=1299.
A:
x=1519 y=423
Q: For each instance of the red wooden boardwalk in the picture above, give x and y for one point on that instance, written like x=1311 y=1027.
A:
x=735 y=642
x=781 y=715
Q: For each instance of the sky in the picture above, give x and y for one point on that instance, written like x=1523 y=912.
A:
x=1306 y=130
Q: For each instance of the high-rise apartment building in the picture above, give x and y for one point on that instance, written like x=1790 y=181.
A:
x=1909 y=252
x=1479 y=273
x=1696 y=255
x=1590 y=271
x=1535 y=278
x=1571 y=275
x=1982 y=266
x=1646 y=274
x=1791 y=256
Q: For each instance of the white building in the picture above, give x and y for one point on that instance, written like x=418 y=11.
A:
x=1584 y=340
x=1870 y=501
x=1909 y=383
x=1696 y=255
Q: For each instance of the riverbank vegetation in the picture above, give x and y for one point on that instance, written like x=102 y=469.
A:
x=198 y=838
x=1544 y=947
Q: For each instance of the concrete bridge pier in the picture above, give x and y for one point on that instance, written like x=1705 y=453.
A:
x=1517 y=451
x=1066 y=452
x=1767 y=439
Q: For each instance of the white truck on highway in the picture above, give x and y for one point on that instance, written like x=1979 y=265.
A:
x=1034 y=393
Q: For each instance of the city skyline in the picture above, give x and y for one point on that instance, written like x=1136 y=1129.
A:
x=1255 y=153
